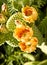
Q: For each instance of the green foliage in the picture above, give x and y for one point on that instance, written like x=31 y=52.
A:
x=36 y=63
x=37 y=34
x=40 y=3
x=43 y=62
x=8 y=37
x=8 y=49
x=1 y=57
x=43 y=28
x=2 y=40
x=11 y=8
x=31 y=63
x=10 y=53
x=16 y=5
x=16 y=58
x=11 y=21
x=3 y=19
x=43 y=25
x=29 y=56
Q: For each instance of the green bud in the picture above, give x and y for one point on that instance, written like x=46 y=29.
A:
x=2 y=18
x=4 y=9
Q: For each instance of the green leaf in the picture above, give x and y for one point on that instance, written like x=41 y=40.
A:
x=10 y=63
x=8 y=37
x=43 y=25
x=11 y=40
x=2 y=38
x=37 y=34
x=41 y=15
x=43 y=28
x=29 y=56
x=11 y=8
x=11 y=24
x=40 y=3
x=2 y=58
x=28 y=2
x=18 y=4
x=8 y=49
x=17 y=58
x=43 y=48
x=32 y=63
x=43 y=62
x=46 y=10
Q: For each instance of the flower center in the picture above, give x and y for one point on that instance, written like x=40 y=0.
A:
x=22 y=32
x=28 y=11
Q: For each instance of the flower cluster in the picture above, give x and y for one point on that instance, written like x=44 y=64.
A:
x=24 y=34
x=27 y=42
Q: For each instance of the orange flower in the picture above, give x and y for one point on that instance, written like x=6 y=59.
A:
x=29 y=46
x=30 y=14
x=34 y=40
x=22 y=46
x=23 y=33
